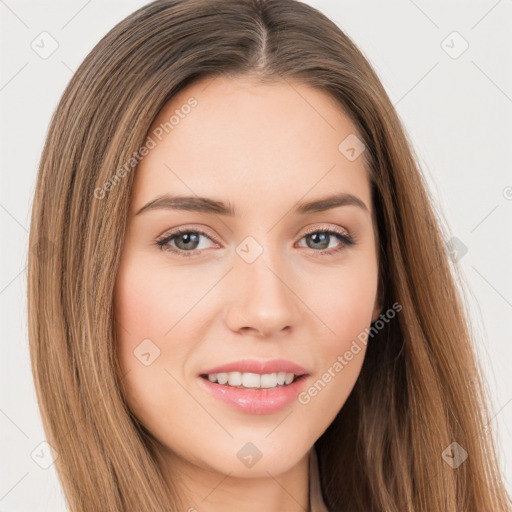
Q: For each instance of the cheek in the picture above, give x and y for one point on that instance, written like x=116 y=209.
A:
x=341 y=357
x=154 y=311
x=344 y=301
x=139 y=301
x=145 y=310
x=150 y=301
x=345 y=307
x=143 y=317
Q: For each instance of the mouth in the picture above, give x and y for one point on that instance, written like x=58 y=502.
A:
x=253 y=381
x=254 y=393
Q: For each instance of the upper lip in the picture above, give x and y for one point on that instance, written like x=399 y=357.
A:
x=255 y=366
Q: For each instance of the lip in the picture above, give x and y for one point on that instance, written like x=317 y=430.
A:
x=261 y=367
x=256 y=401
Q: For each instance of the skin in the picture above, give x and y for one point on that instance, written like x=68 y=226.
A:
x=262 y=148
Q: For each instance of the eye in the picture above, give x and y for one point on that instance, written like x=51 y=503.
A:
x=186 y=242
x=322 y=238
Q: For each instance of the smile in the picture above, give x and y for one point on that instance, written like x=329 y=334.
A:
x=252 y=380
x=254 y=399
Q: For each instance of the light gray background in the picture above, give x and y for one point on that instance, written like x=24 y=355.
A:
x=457 y=112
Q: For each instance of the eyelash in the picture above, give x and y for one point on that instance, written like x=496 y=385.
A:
x=346 y=241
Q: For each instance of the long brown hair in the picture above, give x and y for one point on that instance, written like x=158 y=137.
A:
x=420 y=388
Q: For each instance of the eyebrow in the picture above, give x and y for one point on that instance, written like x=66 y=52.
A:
x=212 y=206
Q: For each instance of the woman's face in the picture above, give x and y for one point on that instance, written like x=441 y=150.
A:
x=265 y=284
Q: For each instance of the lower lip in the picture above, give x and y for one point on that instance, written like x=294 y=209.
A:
x=256 y=400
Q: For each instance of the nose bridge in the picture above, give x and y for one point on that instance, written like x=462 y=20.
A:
x=263 y=299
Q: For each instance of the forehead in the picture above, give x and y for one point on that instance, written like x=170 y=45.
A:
x=242 y=141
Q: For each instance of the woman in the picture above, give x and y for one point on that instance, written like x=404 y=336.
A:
x=193 y=347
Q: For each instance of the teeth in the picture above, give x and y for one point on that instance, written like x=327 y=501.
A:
x=289 y=378
x=234 y=378
x=222 y=378
x=252 y=380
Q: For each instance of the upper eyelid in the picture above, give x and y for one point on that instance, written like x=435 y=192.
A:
x=336 y=229
x=186 y=229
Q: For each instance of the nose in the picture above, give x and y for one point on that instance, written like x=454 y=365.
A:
x=262 y=300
